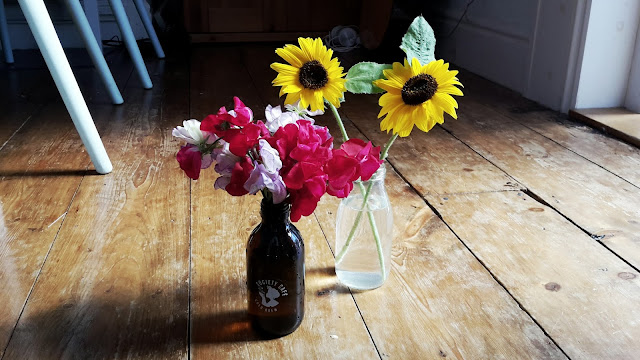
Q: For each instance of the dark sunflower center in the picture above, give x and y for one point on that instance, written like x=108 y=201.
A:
x=313 y=75
x=419 y=89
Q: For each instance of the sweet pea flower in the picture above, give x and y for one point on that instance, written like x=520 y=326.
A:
x=270 y=157
x=367 y=155
x=241 y=113
x=190 y=160
x=276 y=119
x=239 y=176
x=261 y=178
x=225 y=160
x=220 y=123
x=191 y=133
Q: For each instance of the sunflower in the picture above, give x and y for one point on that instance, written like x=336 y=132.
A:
x=311 y=75
x=417 y=95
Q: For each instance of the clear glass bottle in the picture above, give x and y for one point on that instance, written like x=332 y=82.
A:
x=275 y=272
x=364 y=233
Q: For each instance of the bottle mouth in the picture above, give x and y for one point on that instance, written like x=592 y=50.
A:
x=271 y=210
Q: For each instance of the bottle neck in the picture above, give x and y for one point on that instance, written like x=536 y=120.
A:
x=275 y=213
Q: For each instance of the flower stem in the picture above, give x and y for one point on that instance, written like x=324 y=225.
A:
x=385 y=150
x=345 y=137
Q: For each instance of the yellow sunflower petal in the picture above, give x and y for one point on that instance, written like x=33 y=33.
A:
x=291 y=98
x=388 y=86
x=306 y=45
x=416 y=68
x=285 y=69
x=318 y=103
x=291 y=88
x=291 y=54
x=450 y=89
x=425 y=123
x=446 y=103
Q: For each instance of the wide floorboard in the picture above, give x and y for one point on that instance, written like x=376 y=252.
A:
x=517 y=231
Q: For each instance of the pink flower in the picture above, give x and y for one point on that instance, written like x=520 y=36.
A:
x=190 y=160
x=242 y=139
x=304 y=151
x=242 y=115
x=367 y=156
x=220 y=123
x=305 y=200
x=341 y=170
x=239 y=176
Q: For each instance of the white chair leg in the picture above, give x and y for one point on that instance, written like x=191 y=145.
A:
x=40 y=23
x=4 y=35
x=146 y=21
x=130 y=42
x=93 y=16
x=91 y=44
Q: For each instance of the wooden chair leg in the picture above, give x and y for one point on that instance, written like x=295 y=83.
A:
x=130 y=42
x=43 y=31
x=94 y=50
x=4 y=35
x=146 y=21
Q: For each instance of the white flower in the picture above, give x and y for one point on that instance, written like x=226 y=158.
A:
x=275 y=119
x=270 y=157
x=190 y=132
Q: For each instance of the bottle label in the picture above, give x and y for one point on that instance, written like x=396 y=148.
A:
x=269 y=294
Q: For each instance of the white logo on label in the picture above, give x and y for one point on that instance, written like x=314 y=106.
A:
x=269 y=291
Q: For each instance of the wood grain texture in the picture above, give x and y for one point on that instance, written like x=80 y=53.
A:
x=35 y=191
x=221 y=225
x=621 y=123
x=579 y=292
x=42 y=164
x=616 y=156
x=596 y=200
x=115 y=284
x=451 y=306
x=15 y=116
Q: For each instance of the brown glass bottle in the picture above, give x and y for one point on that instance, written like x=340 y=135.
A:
x=275 y=272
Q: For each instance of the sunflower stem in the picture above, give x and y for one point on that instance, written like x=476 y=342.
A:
x=387 y=146
x=336 y=115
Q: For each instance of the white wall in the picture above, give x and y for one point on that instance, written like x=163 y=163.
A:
x=554 y=52
x=632 y=101
x=529 y=46
x=21 y=37
x=493 y=40
x=608 y=51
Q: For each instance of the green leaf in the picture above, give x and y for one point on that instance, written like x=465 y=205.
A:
x=419 y=42
x=361 y=76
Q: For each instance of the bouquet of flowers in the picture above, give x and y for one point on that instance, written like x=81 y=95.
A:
x=286 y=157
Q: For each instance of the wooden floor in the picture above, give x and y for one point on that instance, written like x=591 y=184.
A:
x=517 y=231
